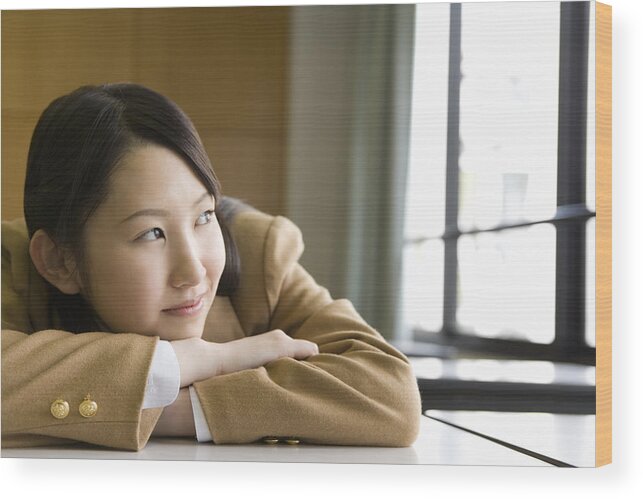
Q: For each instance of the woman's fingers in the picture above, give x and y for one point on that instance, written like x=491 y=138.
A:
x=199 y=359
x=282 y=345
x=303 y=349
x=258 y=350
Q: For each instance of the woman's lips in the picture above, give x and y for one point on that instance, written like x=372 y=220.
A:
x=187 y=309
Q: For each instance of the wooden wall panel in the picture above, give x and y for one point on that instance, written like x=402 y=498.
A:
x=226 y=67
x=603 y=234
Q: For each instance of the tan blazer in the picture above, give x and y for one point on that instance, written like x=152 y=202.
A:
x=359 y=390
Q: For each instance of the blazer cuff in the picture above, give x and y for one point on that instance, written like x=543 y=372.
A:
x=200 y=424
x=164 y=379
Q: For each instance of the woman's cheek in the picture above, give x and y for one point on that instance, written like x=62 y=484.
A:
x=126 y=291
x=216 y=257
x=142 y=281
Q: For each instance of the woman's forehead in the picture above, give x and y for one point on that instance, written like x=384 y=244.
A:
x=152 y=176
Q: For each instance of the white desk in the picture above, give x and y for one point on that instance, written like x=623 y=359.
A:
x=437 y=443
x=564 y=437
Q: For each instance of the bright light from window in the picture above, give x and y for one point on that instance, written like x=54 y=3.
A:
x=506 y=284
x=425 y=195
x=423 y=286
x=508 y=113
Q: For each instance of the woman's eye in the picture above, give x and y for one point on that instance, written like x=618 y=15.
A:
x=205 y=217
x=152 y=235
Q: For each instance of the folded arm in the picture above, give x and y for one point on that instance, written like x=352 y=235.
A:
x=41 y=367
x=358 y=390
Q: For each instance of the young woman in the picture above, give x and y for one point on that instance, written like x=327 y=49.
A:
x=196 y=318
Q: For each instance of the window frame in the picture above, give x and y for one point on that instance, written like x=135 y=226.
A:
x=571 y=216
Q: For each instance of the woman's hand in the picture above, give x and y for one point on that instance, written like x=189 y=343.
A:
x=255 y=351
x=200 y=359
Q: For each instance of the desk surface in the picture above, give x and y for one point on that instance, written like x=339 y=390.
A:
x=564 y=437
x=438 y=443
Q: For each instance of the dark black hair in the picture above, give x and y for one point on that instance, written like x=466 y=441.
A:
x=76 y=145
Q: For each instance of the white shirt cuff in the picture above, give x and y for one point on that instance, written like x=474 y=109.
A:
x=200 y=424
x=164 y=379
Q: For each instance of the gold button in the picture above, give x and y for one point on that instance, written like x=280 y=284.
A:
x=59 y=409
x=292 y=441
x=270 y=440
x=88 y=407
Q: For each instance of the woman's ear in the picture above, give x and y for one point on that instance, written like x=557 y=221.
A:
x=54 y=263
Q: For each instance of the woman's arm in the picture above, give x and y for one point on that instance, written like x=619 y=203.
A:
x=199 y=359
x=359 y=390
x=41 y=367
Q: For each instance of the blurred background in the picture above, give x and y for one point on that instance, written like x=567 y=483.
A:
x=439 y=159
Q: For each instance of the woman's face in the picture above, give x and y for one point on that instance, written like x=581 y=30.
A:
x=154 y=251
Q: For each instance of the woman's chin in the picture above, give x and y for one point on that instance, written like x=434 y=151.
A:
x=169 y=329
x=182 y=334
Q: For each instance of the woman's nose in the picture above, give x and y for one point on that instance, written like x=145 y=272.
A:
x=187 y=268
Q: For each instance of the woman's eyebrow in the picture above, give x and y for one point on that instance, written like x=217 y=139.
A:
x=156 y=212
x=149 y=212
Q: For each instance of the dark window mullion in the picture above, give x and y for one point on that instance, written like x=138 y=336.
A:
x=564 y=214
x=572 y=144
x=452 y=172
x=503 y=348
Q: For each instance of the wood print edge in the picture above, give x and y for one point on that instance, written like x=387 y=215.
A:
x=603 y=234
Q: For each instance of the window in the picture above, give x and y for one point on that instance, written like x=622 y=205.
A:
x=499 y=228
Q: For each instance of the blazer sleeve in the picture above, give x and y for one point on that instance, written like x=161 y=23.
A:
x=41 y=367
x=359 y=390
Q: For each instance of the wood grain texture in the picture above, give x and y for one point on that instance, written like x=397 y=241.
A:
x=603 y=234
x=227 y=68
